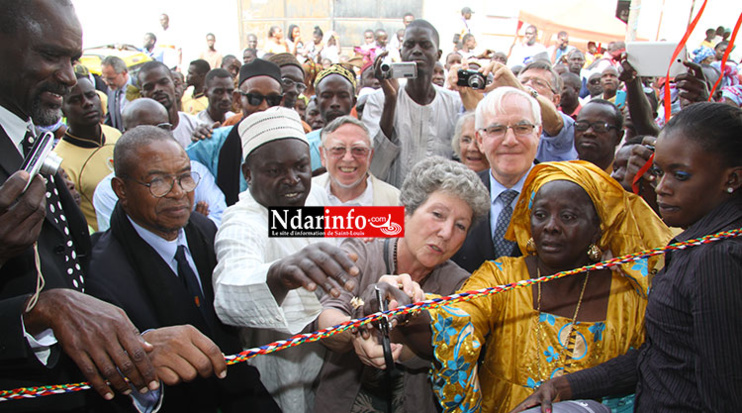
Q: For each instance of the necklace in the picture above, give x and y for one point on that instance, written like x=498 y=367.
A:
x=98 y=143
x=571 y=341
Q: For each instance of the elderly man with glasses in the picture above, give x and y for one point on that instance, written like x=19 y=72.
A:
x=156 y=262
x=509 y=129
x=208 y=198
x=540 y=81
x=346 y=153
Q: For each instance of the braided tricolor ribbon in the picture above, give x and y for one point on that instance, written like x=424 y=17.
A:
x=32 y=392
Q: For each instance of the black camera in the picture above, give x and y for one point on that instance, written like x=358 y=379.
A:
x=473 y=79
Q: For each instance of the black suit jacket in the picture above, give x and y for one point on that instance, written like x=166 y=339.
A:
x=478 y=246
x=114 y=279
x=19 y=367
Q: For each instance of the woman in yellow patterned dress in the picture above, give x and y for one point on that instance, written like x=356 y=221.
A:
x=492 y=352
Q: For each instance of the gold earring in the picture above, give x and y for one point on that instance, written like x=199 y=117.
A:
x=531 y=246
x=594 y=253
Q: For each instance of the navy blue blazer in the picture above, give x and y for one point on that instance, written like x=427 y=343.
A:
x=478 y=246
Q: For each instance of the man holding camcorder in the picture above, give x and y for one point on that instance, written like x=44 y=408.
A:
x=416 y=121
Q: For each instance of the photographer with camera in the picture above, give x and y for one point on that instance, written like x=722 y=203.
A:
x=537 y=79
x=416 y=121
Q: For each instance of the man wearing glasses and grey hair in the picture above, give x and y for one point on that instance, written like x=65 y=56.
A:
x=508 y=127
x=346 y=152
x=540 y=81
x=209 y=199
x=156 y=261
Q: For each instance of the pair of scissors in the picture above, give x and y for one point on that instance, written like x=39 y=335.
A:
x=385 y=327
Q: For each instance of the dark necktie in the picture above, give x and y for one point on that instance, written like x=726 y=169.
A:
x=189 y=280
x=55 y=211
x=116 y=115
x=502 y=246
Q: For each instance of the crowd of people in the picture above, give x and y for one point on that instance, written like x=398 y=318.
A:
x=147 y=257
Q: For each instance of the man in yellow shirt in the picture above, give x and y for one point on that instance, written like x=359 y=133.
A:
x=87 y=146
x=194 y=98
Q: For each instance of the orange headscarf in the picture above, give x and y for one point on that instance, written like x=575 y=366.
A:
x=627 y=223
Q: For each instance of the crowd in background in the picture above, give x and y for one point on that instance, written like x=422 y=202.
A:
x=510 y=165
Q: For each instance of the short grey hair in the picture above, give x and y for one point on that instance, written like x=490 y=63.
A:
x=124 y=159
x=492 y=105
x=344 y=120
x=459 y=130
x=440 y=174
x=118 y=64
x=556 y=80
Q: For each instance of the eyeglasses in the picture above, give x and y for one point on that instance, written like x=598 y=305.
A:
x=598 y=127
x=159 y=187
x=355 y=151
x=536 y=82
x=288 y=84
x=594 y=82
x=520 y=130
x=255 y=99
x=166 y=126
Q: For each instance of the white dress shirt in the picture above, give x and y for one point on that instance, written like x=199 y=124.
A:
x=167 y=249
x=365 y=199
x=496 y=205
x=15 y=127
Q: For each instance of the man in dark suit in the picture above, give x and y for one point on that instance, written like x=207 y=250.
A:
x=46 y=331
x=508 y=123
x=156 y=261
x=116 y=75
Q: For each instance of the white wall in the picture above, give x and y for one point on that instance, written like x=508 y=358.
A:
x=191 y=18
x=196 y=18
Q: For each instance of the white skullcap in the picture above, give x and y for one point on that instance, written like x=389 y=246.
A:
x=270 y=125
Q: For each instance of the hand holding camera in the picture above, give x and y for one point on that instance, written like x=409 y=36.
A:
x=389 y=85
x=398 y=70
x=473 y=79
x=23 y=199
x=41 y=159
x=21 y=213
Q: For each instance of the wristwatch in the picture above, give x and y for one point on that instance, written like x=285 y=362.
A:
x=531 y=91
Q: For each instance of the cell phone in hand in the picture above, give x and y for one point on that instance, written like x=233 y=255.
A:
x=41 y=159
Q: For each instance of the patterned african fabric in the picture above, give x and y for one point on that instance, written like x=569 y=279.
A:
x=519 y=347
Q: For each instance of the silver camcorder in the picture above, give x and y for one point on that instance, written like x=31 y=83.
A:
x=389 y=70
